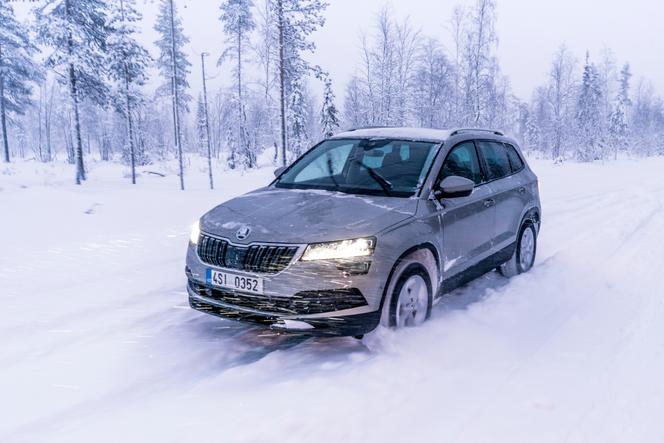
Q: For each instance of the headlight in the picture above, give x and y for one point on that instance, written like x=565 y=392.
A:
x=360 y=247
x=195 y=233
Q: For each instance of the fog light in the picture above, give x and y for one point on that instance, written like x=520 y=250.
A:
x=354 y=267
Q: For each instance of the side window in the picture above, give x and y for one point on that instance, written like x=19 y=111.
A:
x=515 y=160
x=462 y=161
x=495 y=157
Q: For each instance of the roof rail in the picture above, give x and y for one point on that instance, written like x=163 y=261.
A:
x=368 y=127
x=460 y=130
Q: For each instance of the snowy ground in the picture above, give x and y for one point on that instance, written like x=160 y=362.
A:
x=97 y=342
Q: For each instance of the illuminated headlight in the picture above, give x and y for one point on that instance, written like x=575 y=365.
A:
x=195 y=233
x=361 y=247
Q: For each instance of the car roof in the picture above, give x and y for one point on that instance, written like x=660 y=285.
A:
x=414 y=134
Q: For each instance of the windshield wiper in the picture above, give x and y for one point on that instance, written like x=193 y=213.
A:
x=330 y=171
x=384 y=184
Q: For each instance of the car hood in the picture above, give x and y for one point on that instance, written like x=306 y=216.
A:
x=305 y=216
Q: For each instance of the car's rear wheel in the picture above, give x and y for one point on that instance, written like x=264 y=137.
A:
x=524 y=254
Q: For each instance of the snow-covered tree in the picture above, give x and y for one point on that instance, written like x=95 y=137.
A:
x=356 y=110
x=329 y=119
x=434 y=90
x=295 y=21
x=298 y=116
x=76 y=31
x=174 y=68
x=618 y=126
x=588 y=115
x=128 y=62
x=238 y=23
x=18 y=71
x=386 y=82
x=625 y=85
x=560 y=97
x=478 y=61
x=457 y=29
x=268 y=81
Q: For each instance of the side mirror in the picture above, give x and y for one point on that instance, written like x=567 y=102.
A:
x=279 y=170
x=455 y=187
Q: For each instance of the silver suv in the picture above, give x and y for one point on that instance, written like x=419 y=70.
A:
x=369 y=227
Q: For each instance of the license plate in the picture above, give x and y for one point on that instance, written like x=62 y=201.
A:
x=237 y=282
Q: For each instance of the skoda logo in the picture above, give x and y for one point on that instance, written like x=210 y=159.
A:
x=243 y=232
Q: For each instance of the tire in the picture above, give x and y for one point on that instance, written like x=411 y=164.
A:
x=412 y=298
x=523 y=258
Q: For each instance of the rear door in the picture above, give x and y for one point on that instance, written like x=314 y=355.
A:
x=467 y=222
x=508 y=188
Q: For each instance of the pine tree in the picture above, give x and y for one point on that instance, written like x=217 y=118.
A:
x=618 y=120
x=625 y=78
x=128 y=62
x=174 y=68
x=618 y=127
x=76 y=30
x=17 y=70
x=329 y=119
x=295 y=21
x=238 y=23
x=298 y=134
x=588 y=114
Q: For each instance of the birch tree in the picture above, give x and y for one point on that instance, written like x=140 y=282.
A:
x=481 y=41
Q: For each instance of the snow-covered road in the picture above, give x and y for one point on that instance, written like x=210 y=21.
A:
x=97 y=342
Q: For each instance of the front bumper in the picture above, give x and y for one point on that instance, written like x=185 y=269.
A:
x=318 y=297
x=332 y=325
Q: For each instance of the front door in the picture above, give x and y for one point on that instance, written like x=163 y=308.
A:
x=467 y=222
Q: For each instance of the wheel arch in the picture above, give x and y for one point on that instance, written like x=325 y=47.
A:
x=532 y=215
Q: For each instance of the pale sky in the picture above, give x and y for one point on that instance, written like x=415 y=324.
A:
x=529 y=31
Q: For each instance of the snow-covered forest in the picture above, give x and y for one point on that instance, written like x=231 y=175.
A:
x=76 y=84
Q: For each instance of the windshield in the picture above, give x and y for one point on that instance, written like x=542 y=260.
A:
x=378 y=167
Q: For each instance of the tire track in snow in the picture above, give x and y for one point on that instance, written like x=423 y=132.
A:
x=649 y=210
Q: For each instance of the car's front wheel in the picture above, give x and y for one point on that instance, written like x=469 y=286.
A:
x=412 y=298
x=524 y=254
x=410 y=291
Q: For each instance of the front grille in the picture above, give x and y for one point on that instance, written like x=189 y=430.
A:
x=268 y=259
x=302 y=303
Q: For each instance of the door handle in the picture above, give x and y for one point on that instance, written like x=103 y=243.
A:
x=522 y=190
x=488 y=203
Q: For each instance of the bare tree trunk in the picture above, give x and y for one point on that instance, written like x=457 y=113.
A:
x=282 y=79
x=73 y=90
x=176 y=99
x=3 y=117
x=39 y=124
x=207 y=123
x=80 y=168
x=240 y=101
x=130 y=128
x=3 y=114
x=48 y=111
